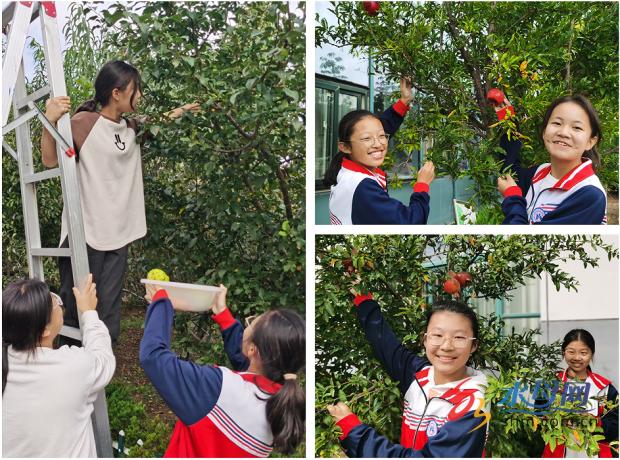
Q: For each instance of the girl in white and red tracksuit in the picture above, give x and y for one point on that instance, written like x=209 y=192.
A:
x=578 y=349
x=571 y=133
x=359 y=192
x=445 y=419
x=245 y=412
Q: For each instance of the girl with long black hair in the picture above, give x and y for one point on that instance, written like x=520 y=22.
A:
x=47 y=393
x=110 y=182
x=248 y=411
x=578 y=349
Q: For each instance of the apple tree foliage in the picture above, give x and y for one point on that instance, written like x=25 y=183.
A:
x=454 y=52
x=224 y=188
x=405 y=274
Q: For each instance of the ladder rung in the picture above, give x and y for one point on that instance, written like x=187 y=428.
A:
x=18 y=121
x=43 y=175
x=34 y=97
x=50 y=252
x=8 y=148
x=72 y=332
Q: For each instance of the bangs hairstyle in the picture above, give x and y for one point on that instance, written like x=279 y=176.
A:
x=595 y=124
x=346 y=127
x=456 y=307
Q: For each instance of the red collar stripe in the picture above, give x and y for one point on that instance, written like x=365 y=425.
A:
x=540 y=175
x=378 y=174
x=572 y=178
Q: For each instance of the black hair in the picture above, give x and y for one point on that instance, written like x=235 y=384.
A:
x=280 y=338
x=345 y=130
x=579 y=335
x=113 y=74
x=461 y=308
x=595 y=124
x=26 y=310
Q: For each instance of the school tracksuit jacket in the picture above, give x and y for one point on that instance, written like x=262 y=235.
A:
x=221 y=412
x=576 y=198
x=599 y=386
x=449 y=424
x=361 y=195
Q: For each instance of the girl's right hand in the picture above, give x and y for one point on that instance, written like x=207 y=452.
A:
x=339 y=411
x=426 y=173
x=56 y=107
x=219 y=305
x=504 y=183
x=86 y=299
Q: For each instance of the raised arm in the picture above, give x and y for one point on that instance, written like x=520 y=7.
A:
x=95 y=338
x=232 y=331
x=190 y=390
x=400 y=363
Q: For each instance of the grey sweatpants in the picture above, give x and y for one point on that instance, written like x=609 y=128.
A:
x=108 y=269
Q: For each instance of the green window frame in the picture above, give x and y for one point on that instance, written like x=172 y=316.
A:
x=328 y=135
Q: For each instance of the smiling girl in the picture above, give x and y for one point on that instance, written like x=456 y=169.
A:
x=444 y=397
x=109 y=167
x=359 y=193
x=578 y=350
x=566 y=190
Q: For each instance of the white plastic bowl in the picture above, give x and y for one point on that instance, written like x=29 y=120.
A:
x=187 y=297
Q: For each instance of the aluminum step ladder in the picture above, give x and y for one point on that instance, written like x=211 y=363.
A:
x=18 y=16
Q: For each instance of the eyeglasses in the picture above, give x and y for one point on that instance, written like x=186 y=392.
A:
x=370 y=140
x=58 y=300
x=458 y=341
x=250 y=319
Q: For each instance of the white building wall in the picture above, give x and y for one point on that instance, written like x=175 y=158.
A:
x=597 y=292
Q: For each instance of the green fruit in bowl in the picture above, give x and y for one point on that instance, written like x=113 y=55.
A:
x=157 y=274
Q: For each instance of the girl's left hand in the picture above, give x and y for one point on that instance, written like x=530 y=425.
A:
x=339 y=411
x=504 y=183
x=194 y=107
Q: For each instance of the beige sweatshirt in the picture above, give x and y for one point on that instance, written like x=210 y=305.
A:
x=110 y=180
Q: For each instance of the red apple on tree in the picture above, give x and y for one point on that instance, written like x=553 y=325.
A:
x=372 y=8
x=451 y=286
x=463 y=278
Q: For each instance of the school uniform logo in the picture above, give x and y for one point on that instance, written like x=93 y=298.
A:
x=432 y=428
x=541 y=211
x=119 y=144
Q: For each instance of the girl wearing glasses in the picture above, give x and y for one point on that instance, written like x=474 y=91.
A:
x=578 y=350
x=359 y=192
x=247 y=411
x=47 y=394
x=443 y=410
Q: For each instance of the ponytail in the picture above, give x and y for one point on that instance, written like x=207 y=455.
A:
x=346 y=127
x=286 y=414
x=331 y=175
x=87 y=106
x=280 y=337
x=5 y=364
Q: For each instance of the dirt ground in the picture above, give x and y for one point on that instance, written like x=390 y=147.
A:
x=612 y=209
x=128 y=368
